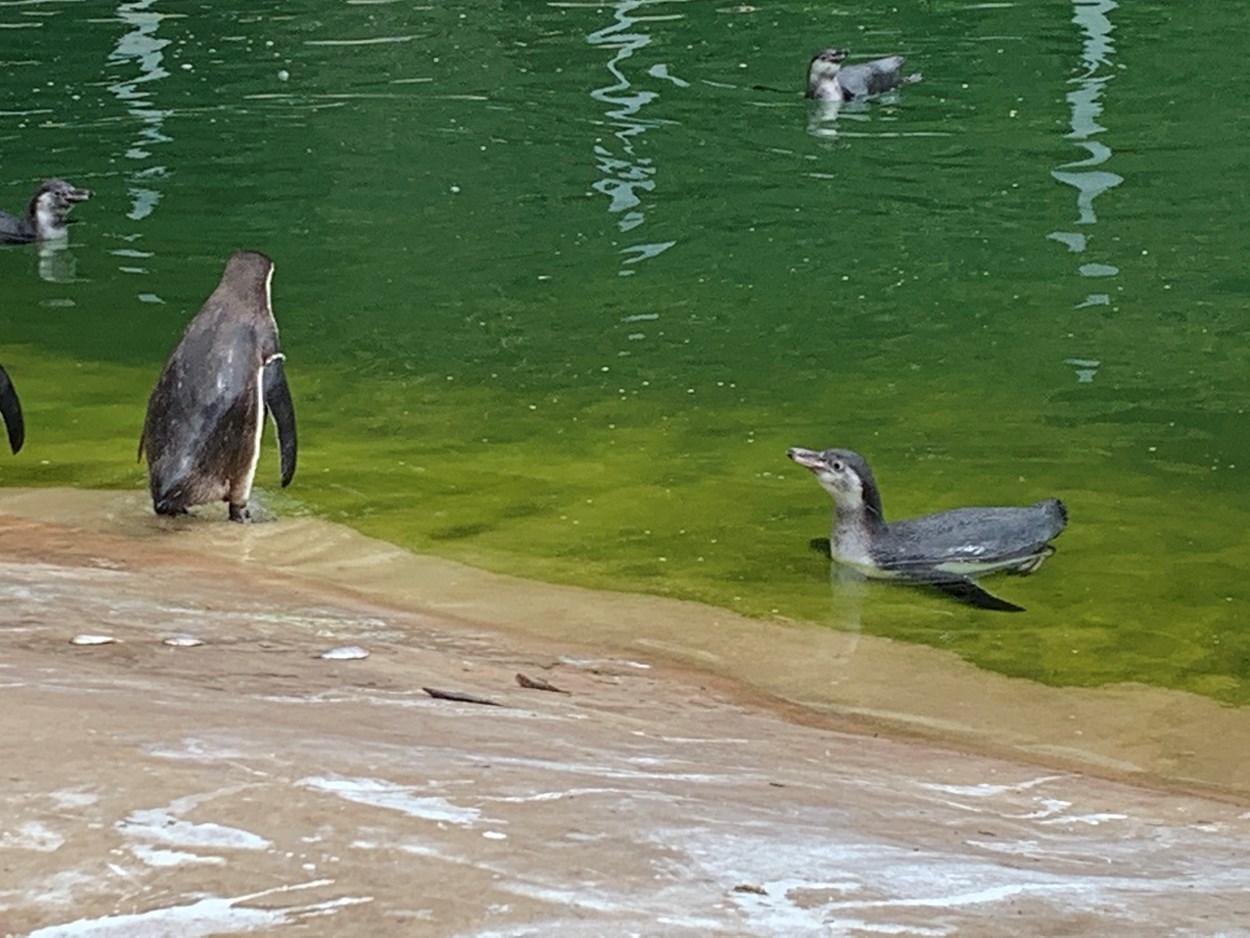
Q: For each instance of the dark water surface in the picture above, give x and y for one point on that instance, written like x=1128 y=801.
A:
x=559 y=285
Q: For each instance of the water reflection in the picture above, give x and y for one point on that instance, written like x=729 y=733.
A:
x=1090 y=182
x=627 y=175
x=56 y=264
x=141 y=46
x=847 y=590
x=822 y=118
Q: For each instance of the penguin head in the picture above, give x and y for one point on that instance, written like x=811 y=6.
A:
x=52 y=202
x=844 y=475
x=59 y=196
x=825 y=64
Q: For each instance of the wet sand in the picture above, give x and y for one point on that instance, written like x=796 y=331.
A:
x=851 y=786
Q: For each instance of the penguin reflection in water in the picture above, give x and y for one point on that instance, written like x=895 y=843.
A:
x=11 y=412
x=945 y=550
x=203 y=429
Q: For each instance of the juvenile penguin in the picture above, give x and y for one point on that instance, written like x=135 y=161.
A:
x=11 y=412
x=45 y=216
x=829 y=80
x=946 y=549
x=203 y=428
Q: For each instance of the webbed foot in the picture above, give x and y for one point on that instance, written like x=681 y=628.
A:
x=1032 y=563
x=969 y=592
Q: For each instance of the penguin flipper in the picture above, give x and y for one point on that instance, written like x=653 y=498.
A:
x=282 y=411
x=968 y=591
x=11 y=411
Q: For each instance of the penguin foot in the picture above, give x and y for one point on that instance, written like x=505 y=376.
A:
x=1031 y=565
x=972 y=594
x=240 y=513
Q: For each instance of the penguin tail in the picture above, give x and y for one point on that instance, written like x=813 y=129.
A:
x=171 y=501
x=169 y=506
x=1063 y=511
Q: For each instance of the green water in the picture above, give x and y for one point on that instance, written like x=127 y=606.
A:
x=558 y=287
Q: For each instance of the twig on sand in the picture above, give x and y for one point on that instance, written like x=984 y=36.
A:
x=538 y=683
x=461 y=696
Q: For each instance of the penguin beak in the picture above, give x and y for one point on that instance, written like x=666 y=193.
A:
x=61 y=194
x=808 y=459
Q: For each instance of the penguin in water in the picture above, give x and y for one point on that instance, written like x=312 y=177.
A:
x=45 y=216
x=946 y=549
x=829 y=80
x=11 y=412
x=203 y=428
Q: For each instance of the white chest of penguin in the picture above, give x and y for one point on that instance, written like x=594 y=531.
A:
x=849 y=545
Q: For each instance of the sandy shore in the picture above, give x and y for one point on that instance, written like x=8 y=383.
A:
x=248 y=785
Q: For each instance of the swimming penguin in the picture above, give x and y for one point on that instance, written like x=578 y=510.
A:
x=11 y=412
x=205 y=416
x=946 y=549
x=45 y=216
x=829 y=80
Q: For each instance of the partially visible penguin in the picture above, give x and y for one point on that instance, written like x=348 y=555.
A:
x=11 y=412
x=45 y=215
x=206 y=414
x=829 y=80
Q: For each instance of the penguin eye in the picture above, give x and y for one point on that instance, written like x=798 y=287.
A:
x=836 y=465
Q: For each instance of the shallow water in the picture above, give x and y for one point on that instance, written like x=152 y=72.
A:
x=416 y=604
x=559 y=287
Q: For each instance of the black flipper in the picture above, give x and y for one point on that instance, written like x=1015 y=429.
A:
x=282 y=410
x=967 y=591
x=11 y=411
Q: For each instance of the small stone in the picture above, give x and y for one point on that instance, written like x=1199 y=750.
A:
x=92 y=640
x=344 y=653
x=183 y=641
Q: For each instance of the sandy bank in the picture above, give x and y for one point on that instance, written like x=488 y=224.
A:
x=246 y=784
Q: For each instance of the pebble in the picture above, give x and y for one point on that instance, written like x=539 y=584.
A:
x=344 y=653
x=92 y=640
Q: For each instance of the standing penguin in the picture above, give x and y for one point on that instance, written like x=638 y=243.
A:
x=205 y=416
x=11 y=412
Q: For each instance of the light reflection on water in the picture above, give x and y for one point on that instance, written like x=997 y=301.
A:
x=628 y=175
x=1086 y=101
x=141 y=48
